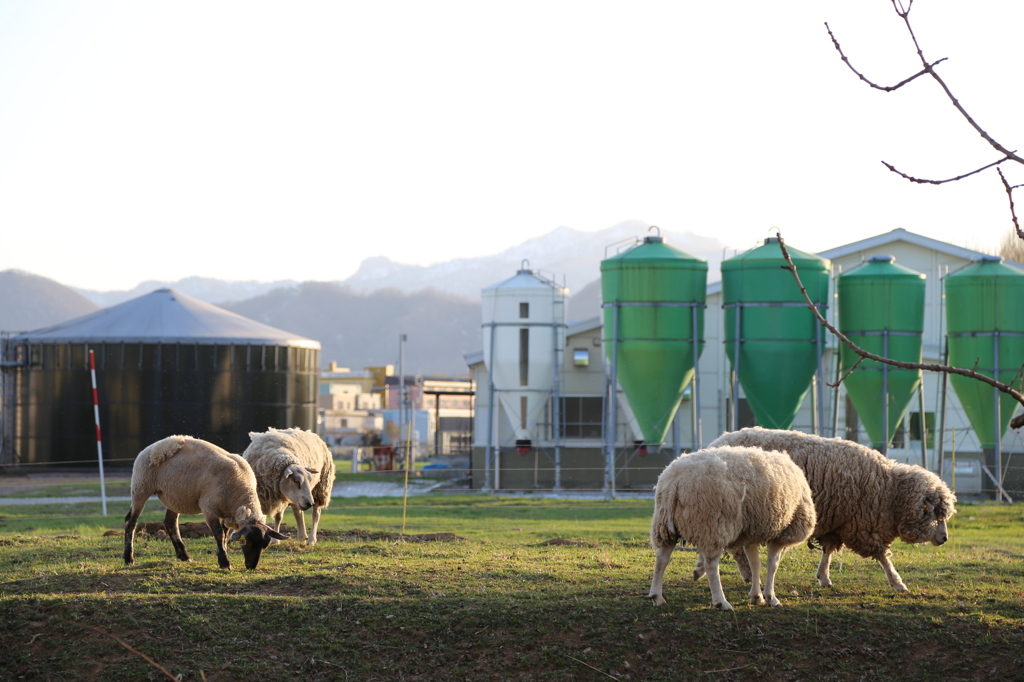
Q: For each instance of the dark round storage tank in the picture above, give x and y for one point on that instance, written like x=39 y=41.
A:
x=166 y=364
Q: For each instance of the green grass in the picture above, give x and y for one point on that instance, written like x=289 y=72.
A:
x=498 y=604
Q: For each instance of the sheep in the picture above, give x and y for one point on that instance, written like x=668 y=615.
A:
x=191 y=476
x=293 y=467
x=863 y=499
x=730 y=498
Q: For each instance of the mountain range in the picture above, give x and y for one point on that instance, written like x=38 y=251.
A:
x=358 y=320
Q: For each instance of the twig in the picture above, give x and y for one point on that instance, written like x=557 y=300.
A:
x=592 y=667
x=122 y=643
x=726 y=670
x=1017 y=421
x=848 y=373
x=1009 y=194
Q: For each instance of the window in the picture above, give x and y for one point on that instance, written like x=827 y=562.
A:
x=915 y=433
x=524 y=356
x=582 y=416
x=581 y=357
x=524 y=311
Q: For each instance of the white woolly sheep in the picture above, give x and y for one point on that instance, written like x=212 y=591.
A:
x=191 y=476
x=293 y=467
x=735 y=499
x=863 y=499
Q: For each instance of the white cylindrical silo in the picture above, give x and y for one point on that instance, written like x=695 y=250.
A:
x=523 y=329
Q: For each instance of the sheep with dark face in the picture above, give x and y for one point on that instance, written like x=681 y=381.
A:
x=863 y=499
x=293 y=468
x=730 y=498
x=191 y=476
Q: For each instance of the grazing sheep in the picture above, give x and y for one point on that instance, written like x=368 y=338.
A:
x=191 y=476
x=863 y=499
x=293 y=467
x=730 y=498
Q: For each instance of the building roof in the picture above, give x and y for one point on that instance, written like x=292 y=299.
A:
x=165 y=316
x=901 y=235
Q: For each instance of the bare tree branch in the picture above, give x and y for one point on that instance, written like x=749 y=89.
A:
x=905 y=15
x=1017 y=422
x=884 y=88
x=925 y=181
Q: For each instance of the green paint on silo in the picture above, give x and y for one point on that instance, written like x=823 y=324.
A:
x=655 y=289
x=881 y=309
x=778 y=334
x=983 y=309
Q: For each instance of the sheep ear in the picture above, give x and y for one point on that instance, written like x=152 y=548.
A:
x=235 y=535
x=274 y=534
x=929 y=507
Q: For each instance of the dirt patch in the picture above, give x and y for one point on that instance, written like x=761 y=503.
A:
x=364 y=535
x=562 y=542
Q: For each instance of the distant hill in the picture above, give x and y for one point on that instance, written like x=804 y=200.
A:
x=28 y=302
x=359 y=330
x=207 y=289
x=566 y=255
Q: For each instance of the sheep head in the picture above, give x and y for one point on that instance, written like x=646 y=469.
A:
x=254 y=538
x=928 y=505
x=297 y=484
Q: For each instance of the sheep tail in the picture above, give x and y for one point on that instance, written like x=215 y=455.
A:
x=162 y=450
x=663 y=527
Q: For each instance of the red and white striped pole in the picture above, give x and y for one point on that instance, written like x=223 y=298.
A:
x=99 y=442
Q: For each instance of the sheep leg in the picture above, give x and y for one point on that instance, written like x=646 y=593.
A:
x=698 y=569
x=316 y=523
x=218 y=537
x=775 y=550
x=742 y=564
x=300 y=522
x=718 y=599
x=171 y=526
x=824 y=566
x=754 y=559
x=277 y=525
x=130 y=521
x=662 y=557
x=895 y=581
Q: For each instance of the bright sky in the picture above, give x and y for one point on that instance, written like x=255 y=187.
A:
x=267 y=140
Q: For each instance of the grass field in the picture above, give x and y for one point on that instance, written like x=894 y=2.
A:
x=495 y=601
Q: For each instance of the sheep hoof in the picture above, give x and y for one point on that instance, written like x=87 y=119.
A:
x=697 y=575
x=774 y=602
x=724 y=606
x=900 y=587
x=825 y=582
x=757 y=601
x=657 y=599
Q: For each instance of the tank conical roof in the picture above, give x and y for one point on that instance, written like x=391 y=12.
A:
x=166 y=316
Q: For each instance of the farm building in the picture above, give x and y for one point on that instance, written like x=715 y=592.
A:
x=165 y=363
x=915 y=297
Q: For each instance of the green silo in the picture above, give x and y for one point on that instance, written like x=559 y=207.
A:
x=881 y=309
x=653 y=298
x=985 y=330
x=779 y=344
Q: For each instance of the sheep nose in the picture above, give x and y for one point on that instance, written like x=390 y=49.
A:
x=307 y=506
x=941 y=540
